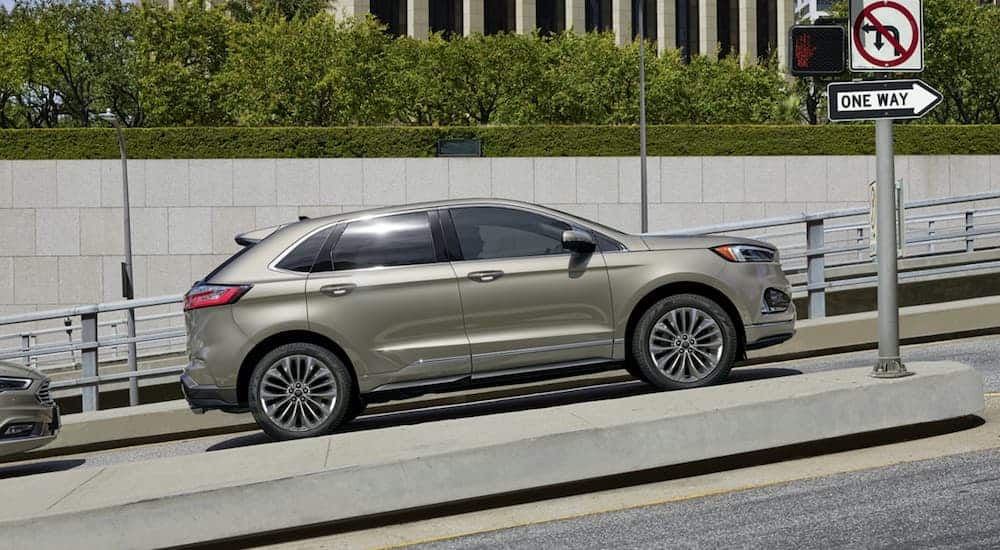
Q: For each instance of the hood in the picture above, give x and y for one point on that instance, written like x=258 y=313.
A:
x=10 y=369
x=663 y=242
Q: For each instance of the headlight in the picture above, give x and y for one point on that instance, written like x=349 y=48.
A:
x=746 y=253
x=13 y=384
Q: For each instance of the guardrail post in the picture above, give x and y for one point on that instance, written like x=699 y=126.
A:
x=970 y=245
x=26 y=346
x=88 y=333
x=816 y=263
x=930 y=233
x=861 y=242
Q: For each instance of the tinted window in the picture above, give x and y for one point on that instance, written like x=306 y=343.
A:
x=489 y=232
x=403 y=239
x=301 y=258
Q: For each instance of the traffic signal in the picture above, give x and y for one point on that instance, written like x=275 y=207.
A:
x=816 y=50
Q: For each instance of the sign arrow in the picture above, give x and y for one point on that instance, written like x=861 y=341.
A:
x=881 y=99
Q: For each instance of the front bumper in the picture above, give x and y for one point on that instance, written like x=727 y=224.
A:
x=45 y=423
x=203 y=397
x=764 y=335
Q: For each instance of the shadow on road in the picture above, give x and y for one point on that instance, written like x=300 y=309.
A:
x=504 y=405
x=46 y=467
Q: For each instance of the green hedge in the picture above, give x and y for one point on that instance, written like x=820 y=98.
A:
x=498 y=141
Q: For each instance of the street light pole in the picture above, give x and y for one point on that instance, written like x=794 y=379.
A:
x=642 y=117
x=128 y=290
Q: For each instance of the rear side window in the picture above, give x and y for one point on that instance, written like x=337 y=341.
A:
x=402 y=239
x=302 y=257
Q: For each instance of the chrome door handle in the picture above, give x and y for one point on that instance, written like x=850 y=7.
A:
x=485 y=276
x=337 y=290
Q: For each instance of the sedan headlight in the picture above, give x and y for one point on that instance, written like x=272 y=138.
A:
x=746 y=253
x=8 y=383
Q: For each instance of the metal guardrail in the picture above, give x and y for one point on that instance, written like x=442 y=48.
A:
x=929 y=232
x=924 y=233
x=90 y=342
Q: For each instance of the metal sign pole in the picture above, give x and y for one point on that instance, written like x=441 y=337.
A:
x=642 y=118
x=889 y=364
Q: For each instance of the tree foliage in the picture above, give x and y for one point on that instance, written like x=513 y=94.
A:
x=290 y=63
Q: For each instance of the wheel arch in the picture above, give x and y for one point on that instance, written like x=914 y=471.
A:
x=686 y=287
x=263 y=347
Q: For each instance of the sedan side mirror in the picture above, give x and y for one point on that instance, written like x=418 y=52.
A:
x=578 y=242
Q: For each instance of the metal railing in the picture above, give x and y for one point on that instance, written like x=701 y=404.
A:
x=90 y=342
x=817 y=245
x=77 y=345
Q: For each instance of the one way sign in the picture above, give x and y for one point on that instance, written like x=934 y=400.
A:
x=881 y=99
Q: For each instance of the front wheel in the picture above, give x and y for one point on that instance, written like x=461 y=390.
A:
x=684 y=341
x=299 y=390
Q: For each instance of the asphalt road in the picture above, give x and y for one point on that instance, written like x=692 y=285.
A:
x=951 y=502
x=983 y=353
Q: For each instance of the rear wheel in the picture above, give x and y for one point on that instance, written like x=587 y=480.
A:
x=684 y=341
x=299 y=390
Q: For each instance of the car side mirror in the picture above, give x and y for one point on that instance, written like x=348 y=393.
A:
x=578 y=242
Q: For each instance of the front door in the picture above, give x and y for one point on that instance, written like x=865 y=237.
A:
x=528 y=302
x=385 y=294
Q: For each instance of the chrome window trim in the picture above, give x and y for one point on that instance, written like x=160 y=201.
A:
x=472 y=204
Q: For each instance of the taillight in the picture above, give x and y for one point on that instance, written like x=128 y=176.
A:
x=213 y=295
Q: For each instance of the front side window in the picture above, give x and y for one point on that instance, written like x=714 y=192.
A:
x=491 y=232
x=402 y=239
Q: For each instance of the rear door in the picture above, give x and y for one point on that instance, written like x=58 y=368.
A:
x=382 y=291
x=528 y=302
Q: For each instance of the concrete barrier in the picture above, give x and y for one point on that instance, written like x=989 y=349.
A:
x=189 y=499
x=860 y=330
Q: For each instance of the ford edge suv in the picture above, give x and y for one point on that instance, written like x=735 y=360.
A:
x=311 y=321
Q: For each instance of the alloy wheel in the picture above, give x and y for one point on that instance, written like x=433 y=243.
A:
x=298 y=392
x=686 y=343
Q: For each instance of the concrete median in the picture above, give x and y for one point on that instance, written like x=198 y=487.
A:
x=238 y=492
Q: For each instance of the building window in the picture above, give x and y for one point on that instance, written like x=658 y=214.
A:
x=446 y=17
x=687 y=28
x=767 y=27
x=499 y=16
x=728 y=27
x=648 y=21
x=598 y=15
x=392 y=13
x=550 y=16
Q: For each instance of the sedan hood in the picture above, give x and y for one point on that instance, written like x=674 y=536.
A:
x=663 y=242
x=10 y=369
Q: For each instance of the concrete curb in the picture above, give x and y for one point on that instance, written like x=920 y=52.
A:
x=860 y=330
x=189 y=499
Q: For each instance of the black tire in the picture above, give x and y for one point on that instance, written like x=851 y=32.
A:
x=339 y=377
x=642 y=352
x=634 y=370
x=358 y=404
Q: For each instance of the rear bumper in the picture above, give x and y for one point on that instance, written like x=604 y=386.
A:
x=764 y=335
x=201 y=397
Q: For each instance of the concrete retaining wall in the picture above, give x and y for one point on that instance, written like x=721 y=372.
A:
x=60 y=221
x=237 y=492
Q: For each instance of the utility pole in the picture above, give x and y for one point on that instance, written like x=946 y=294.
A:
x=128 y=289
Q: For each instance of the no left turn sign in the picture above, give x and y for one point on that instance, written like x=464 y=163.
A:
x=887 y=36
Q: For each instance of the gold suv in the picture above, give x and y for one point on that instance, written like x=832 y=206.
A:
x=311 y=321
